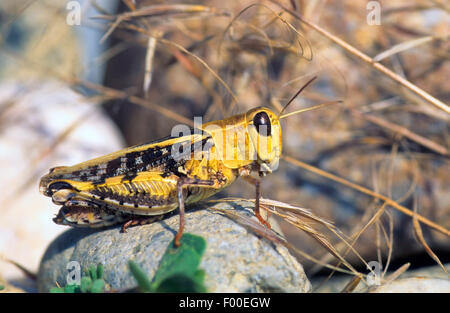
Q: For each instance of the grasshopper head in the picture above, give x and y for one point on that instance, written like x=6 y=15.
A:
x=252 y=138
x=264 y=130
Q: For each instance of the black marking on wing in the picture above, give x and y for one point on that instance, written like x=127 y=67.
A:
x=157 y=156
x=131 y=163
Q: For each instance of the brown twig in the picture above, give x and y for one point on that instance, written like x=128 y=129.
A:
x=403 y=131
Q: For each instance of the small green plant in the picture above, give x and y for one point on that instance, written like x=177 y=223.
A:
x=178 y=270
x=2 y=287
x=92 y=282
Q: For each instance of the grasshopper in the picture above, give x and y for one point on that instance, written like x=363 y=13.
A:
x=144 y=183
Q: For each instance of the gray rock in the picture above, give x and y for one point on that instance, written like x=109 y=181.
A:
x=415 y=285
x=429 y=279
x=426 y=279
x=236 y=260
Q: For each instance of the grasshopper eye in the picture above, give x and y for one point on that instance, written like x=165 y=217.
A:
x=262 y=119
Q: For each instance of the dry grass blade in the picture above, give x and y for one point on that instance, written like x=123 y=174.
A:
x=151 y=46
x=421 y=239
x=410 y=7
x=261 y=230
x=295 y=210
x=296 y=215
x=184 y=50
x=389 y=242
x=257 y=227
x=352 y=284
x=152 y=11
x=130 y=4
x=162 y=9
x=391 y=277
x=149 y=65
x=248 y=43
x=354 y=238
x=404 y=132
x=405 y=46
x=299 y=223
x=22 y=268
x=374 y=218
x=111 y=29
x=308 y=56
x=367 y=191
x=376 y=65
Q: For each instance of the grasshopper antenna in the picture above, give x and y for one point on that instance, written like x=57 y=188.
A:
x=295 y=96
x=310 y=108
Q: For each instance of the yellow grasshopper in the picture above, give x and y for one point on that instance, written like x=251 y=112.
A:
x=141 y=184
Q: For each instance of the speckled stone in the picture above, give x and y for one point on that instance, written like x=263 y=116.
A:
x=236 y=260
x=415 y=285
x=427 y=279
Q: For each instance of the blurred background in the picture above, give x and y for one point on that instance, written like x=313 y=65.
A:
x=79 y=79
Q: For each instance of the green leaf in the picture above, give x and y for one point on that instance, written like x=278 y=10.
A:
x=57 y=290
x=71 y=288
x=177 y=270
x=180 y=283
x=85 y=284
x=199 y=275
x=100 y=269
x=140 y=276
x=181 y=261
x=93 y=272
x=2 y=287
x=98 y=286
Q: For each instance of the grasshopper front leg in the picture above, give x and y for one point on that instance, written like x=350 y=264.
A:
x=257 y=183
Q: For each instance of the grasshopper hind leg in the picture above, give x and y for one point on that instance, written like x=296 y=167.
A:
x=136 y=220
x=84 y=213
x=184 y=182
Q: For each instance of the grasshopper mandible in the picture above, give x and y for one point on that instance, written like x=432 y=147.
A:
x=143 y=183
